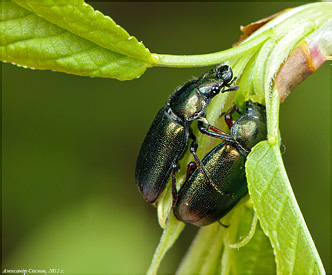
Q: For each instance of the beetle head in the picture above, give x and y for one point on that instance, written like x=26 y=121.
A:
x=212 y=82
x=224 y=72
x=256 y=109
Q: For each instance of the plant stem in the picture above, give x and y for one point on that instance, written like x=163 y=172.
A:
x=213 y=58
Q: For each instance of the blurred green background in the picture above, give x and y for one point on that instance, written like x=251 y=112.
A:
x=70 y=144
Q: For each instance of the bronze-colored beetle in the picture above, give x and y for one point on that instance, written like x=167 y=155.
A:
x=219 y=181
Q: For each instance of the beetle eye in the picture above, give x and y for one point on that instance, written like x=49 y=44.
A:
x=215 y=89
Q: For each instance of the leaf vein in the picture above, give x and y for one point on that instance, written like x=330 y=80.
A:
x=133 y=70
x=267 y=186
x=280 y=213
x=76 y=53
x=17 y=18
x=35 y=39
x=110 y=62
x=295 y=244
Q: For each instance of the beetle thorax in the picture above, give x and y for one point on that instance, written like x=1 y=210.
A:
x=188 y=105
x=249 y=129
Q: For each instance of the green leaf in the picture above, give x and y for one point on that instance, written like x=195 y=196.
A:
x=279 y=212
x=204 y=255
x=171 y=232
x=256 y=256
x=81 y=19
x=69 y=36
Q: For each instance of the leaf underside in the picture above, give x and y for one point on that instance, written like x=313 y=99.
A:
x=279 y=213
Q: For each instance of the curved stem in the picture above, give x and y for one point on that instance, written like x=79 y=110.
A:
x=167 y=60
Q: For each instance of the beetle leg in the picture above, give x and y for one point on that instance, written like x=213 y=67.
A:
x=230 y=83
x=231 y=110
x=174 y=191
x=217 y=133
x=238 y=110
x=191 y=168
x=193 y=149
x=233 y=88
x=198 y=162
x=200 y=166
x=229 y=118
x=223 y=225
x=228 y=115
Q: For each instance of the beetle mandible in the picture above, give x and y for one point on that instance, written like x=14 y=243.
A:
x=206 y=197
x=169 y=134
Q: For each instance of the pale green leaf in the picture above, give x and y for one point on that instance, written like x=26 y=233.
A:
x=204 y=255
x=256 y=256
x=69 y=37
x=260 y=68
x=171 y=232
x=279 y=213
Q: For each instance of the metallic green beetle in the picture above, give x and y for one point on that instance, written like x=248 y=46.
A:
x=219 y=181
